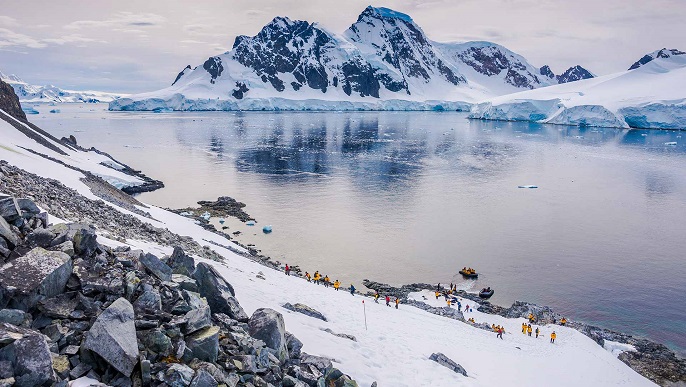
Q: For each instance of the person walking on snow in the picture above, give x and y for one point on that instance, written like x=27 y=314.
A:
x=336 y=284
x=466 y=308
x=529 y=330
x=308 y=277
x=287 y=270
x=553 y=336
x=448 y=301
x=397 y=301
x=438 y=294
x=500 y=333
x=352 y=289
x=524 y=328
x=388 y=300
x=317 y=276
x=326 y=281
x=537 y=332
x=376 y=296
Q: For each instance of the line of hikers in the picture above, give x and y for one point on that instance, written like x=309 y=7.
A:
x=528 y=330
x=325 y=280
x=388 y=299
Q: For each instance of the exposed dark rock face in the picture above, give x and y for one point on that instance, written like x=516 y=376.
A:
x=491 y=60
x=181 y=74
x=296 y=47
x=575 y=73
x=241 y=89
x=214 y=66
x=404 y=47
x=9 y=102
x=547 y=72
x=222 y=207
x=663 y=53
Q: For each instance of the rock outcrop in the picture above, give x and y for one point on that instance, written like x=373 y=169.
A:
x=445 y=361
x=74 y=309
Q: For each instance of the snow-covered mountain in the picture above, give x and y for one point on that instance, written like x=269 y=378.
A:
x=49 y=93
x=382 y=61
x=652 y=95
x=572 y=74
x=662 y=53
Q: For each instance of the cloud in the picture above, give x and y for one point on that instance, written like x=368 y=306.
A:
x=6 y=21
x=10 y=38
x=73 y=38
x=120 y=20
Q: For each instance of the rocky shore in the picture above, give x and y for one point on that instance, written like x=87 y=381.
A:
x=650 y=359
x=75 y=309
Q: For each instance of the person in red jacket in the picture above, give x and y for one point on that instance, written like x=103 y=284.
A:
x=388 y=300
x=288 y=270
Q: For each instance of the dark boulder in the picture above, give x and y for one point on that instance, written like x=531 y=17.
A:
x=445 y=361
x=181 y=263
x=204 y=344
x=158 y=268
x=218 y=292
x=37 y=275
x=85 y=243
x=306 y=310
x=268 y=325
x=113 y=337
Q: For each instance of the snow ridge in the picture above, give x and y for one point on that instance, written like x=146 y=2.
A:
x=49 y=93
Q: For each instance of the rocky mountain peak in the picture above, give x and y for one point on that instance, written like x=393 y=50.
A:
x=547 y=72
x=399 y=42
x=574 y=73
x=9 y=102
x=662 y=53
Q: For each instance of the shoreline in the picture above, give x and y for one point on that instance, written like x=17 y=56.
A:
x=655 y=361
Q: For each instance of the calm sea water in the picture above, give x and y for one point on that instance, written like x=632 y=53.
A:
x=413 y=197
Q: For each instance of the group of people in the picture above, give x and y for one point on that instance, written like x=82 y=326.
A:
x=468 y=270
x=326 y=281
x=499 y=330
x=388 y=299
x=528 y=330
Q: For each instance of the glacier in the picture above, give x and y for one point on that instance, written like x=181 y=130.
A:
x=649 y=96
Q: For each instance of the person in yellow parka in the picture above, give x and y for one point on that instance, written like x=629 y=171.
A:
x=326 y=281
x=337 y=284
x=529 y=330
x=397 y=301
x=563 y=321
x=308 y=276
x=438 y=294
x=317 y=277
x=448 y=302
x=524 y=328
x=553 y=336
x=376 y=295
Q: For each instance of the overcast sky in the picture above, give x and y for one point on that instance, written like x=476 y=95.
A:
x=134 y=46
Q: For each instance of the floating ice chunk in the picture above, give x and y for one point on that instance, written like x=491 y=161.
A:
x=670 y=143
x=221 y=221
x=527 y=186
x=250 y=223
x=267 y=229
x=55 y=111
x=186 y=213
x=30 y=110
x=206 y=215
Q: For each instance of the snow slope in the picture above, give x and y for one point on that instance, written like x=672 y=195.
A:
x=384 y=61
x=16 y=146
x=650 y=96
x=44 y=94
x=394 y=347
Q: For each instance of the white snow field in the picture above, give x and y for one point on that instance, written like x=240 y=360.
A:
x=651 y=96
x=28 y=93
x=395 y=346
